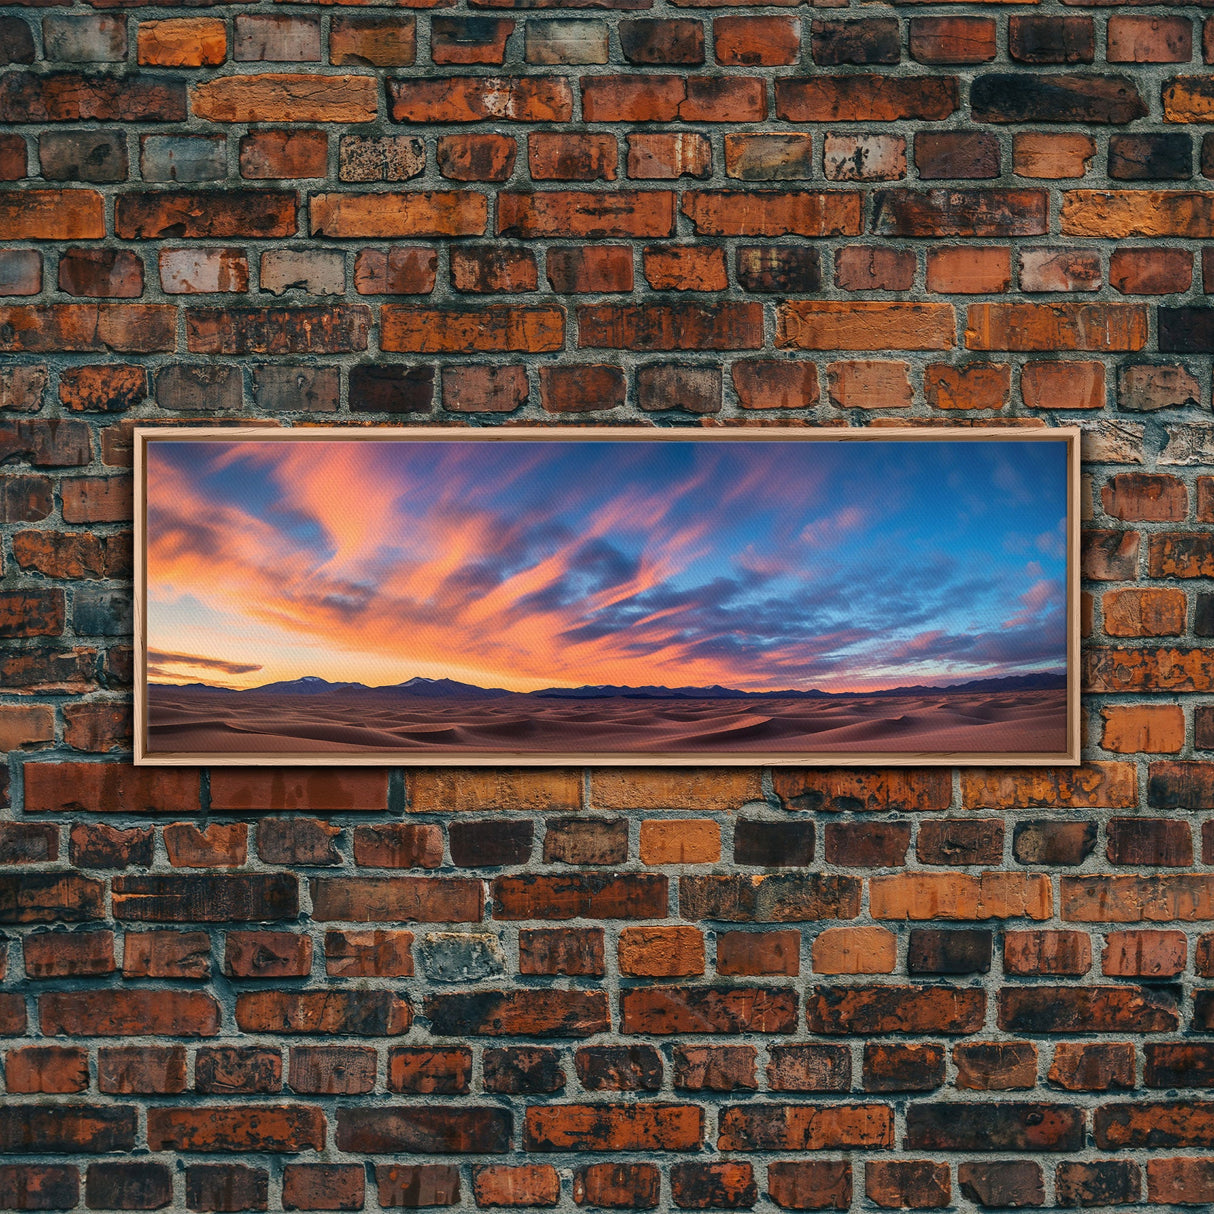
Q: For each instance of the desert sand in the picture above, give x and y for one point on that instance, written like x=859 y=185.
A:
x=201 y=719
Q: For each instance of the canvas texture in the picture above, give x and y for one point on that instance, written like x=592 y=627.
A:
x=227 y=989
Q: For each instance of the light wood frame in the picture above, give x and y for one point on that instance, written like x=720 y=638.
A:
x=232 y=434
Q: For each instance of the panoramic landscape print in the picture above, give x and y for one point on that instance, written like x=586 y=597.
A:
x=414 y=598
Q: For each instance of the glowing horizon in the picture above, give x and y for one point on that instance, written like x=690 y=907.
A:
x=756 y=565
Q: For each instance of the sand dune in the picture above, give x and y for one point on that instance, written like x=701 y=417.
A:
x=193 y=720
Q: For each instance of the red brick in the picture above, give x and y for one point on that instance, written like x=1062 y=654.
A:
x=899 y=1184
x=414 y=1185
x=429 y=1071
x=865 y=97
x=1134 y=613
x=365 y=954
x=613 y=1127
x=775 y=385
x=972 y=386
x=49 y=1069
x=668 y=155
x=317 y=1186
x=1151 y=271
x=810 y=1185
x=582 y=388
x=1063 y=385
x=1093 y=1067
x=676 y=326
x=167 y=954
x=51 y=215
x=1137 y=954
x=501 y=1185
x=1179 y=1181
x=69 y=954
x=575 y=951
x=874 y=268
x=1044 y=270
x=894 y=1009
x=804 y=1127
x=725 y=1185
x=654 y=98
x=158 y=1070
x=493 y=268
x=476 y=157
x=590 y=270
x=379 y=41
x=965 y=270
x=437 y=213
x=367 y=1013
x=105 y=327
x=126 y=1013
x=864 y=325
x=283 y=154
x=101 y=273
x=502 y=327
x=685 y=268
x=836 y=789
x=469 y=40
x=265 y=954
x=617 y=1185
x=399 y=270
x=809 y=1068
x=869 y=384
x=219 y=1128
x=1092 y=785
x=657 y=42
x=182 y=42
x=227 y=1069
x=480 y=98
x=1143 y=728
x=772 y=213
x=756 y=41
x=567 y=213
x=204 y=214
x=515 y=1013
x=557 y=156
x=938 y=40
x=752 y=954
x=239 y=789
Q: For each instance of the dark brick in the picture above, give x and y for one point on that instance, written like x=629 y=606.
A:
x=1186 y=330
x=1003 y=1126
x=226 y=1187
x=490 y=843
x=1150 y=157
x=959 y=951
x=773 y=844
x=130 y=1185
x=903 y=1068
x=619 y=1068
x=1006 y=1184
x=522 y=1070
x=1052 y=39
x=779 y=269
x=1053 y=842
x=391 y=388
x=841 y=42
x=1005 y=97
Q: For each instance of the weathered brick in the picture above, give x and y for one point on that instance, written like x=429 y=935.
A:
x=801 y=1127
x=894 y=1009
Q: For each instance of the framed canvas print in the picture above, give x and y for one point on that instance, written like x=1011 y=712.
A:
x=571 y=595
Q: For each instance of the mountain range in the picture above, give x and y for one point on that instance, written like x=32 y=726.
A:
x=448 y=689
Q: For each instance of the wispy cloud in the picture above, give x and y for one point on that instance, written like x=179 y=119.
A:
x=525 y=565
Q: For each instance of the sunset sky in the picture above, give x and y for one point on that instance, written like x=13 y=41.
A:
x=756 y=565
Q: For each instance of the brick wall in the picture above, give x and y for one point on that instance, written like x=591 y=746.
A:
x=829 y=989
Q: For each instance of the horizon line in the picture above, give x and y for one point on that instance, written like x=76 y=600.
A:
x=1054 y=671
